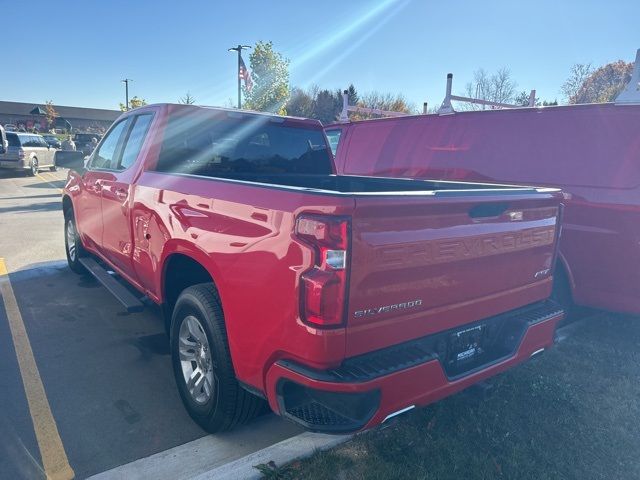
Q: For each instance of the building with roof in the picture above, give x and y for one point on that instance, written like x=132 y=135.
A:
x=78 y=119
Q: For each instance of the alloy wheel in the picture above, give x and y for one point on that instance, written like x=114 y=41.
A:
x=195 y=360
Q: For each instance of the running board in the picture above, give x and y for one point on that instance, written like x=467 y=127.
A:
x=122 y=294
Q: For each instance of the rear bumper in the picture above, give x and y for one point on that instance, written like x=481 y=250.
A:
x=13 y=164
x=366 y=390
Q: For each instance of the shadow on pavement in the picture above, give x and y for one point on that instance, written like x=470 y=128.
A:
x=48 y=184
x=107 y=374
x=34 y=207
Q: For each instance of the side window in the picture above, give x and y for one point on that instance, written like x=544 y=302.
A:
x=135 y=140
x=105 y=156
x=334 y=138
x=41 y=142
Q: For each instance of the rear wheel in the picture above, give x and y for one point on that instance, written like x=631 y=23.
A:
x=33 y=167
x=72 y=244
x=202 y=363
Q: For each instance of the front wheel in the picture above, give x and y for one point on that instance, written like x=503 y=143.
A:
x=72 y=244
x=202 y=363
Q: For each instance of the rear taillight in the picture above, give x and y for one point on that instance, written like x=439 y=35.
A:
x=21 y=153
x=324 y=286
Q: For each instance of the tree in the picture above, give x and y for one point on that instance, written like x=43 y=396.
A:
x=577 y=76
x=352 y=95
x=522 y=99
x=187 y=99
x=50 y=113
x=300 y=103
x=134 y=102
x=382 y=101
x=270 y=74
x=327 y=106
x=497 y=87
x=604 y=84
x=323 y=105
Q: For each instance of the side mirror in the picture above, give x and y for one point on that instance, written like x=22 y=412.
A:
x=71 y=160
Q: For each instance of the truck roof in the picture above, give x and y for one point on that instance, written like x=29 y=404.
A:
x=234 y=111
x=504 y=111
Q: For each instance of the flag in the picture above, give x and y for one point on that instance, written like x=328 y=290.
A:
x=245 y=75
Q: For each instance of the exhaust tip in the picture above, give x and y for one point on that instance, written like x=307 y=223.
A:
x=402 y=410
x=537 y=352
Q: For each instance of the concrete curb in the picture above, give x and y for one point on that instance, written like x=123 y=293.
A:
x=300 y=446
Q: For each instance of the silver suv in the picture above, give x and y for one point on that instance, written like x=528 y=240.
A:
x=27 y=151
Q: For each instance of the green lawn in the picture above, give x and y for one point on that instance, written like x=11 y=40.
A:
x=572 y=413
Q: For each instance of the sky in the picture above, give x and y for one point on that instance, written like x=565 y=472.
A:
x=76 y=52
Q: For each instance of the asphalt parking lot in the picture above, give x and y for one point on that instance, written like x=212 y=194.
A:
x=104 y=375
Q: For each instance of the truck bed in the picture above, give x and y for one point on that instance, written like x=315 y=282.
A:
x=353 y=184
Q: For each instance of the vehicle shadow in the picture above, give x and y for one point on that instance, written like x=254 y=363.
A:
x=108 y=374
x=8 y=173
x=33 y=207
x=48 y=184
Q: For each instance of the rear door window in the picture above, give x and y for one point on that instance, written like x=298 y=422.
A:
x=135 y=140
x=106 y=157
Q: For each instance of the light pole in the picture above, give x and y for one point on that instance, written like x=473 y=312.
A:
x=126 y=91
x=239 y=49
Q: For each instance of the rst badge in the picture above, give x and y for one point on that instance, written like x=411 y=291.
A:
x=387 y=308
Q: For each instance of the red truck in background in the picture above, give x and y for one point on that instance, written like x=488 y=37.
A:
x=591 y=152
x=341 y=300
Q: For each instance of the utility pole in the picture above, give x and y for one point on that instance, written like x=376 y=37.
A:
x=239 y=49
x=126 y=91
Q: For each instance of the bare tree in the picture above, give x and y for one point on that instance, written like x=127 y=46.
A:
x=382 y=101
x=577 y=76
x=187 y=99
x=496 y=87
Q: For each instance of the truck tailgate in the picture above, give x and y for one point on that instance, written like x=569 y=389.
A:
x=426 y=263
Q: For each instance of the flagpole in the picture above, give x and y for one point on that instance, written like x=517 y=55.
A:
x=239 y=49
x=239 y=79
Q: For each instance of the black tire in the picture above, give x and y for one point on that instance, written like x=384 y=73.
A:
x=53 y=168
x=73 y=254
x=561 y=294
x=33 y=167
x=228 y=404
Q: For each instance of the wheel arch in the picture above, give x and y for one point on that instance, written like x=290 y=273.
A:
x=67 y=204
x=180 y=271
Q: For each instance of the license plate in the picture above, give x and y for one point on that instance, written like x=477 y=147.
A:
x=466 y=344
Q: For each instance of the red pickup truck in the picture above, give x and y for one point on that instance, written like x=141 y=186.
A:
x=341 y=300
x=591 y=152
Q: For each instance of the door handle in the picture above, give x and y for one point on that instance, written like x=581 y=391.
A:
x=121 y=194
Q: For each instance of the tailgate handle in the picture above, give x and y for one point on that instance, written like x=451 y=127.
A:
x=488 y=210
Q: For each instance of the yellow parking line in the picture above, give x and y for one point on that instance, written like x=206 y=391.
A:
x=54 y=458
x=47 y=181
